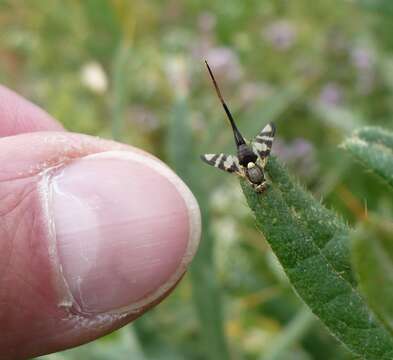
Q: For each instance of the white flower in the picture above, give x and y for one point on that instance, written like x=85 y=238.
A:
x=94 y=78
x=177 y=73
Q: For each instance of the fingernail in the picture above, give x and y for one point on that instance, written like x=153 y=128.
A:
x=126 y=228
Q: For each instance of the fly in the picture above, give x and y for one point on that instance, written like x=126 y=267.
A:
x=251 y=156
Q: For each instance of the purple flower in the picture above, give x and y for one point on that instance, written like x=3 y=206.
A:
x=289 y=152
x=206 y=21
x=362 y=58
x=330 y=95
x=143 y=118
x=224 y=63
x=298 y=154
x=250 y=91
x=281 y=34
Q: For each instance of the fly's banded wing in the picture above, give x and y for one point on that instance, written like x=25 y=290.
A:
x=262 y=144
x=229 y=163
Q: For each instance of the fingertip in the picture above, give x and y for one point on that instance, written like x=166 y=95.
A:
x=18 y=115
x=100 y=232
x=124 y=219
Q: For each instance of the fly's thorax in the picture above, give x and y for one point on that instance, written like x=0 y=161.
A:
x=254 y=173
x=246 y=155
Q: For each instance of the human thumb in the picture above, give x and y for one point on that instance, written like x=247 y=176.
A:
x=92 y=234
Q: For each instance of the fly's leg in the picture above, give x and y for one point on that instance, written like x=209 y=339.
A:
x=260 y=188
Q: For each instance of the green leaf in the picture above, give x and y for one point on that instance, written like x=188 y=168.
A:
x=376 y=135
x=372 y=254
x=329 y=232
x=311 y=244
x=373 y=148
x=372 y=248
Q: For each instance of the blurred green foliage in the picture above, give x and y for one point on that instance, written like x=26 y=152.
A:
x=133 y=70
x=372 y=256
x=372 y=246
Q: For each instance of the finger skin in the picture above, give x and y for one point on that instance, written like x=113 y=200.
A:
x=18 y=115
x=33 y=322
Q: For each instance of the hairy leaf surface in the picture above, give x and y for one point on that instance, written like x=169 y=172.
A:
x=311 y=244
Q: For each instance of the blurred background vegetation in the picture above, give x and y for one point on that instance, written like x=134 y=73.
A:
x=133 y=70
